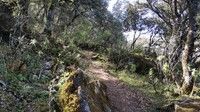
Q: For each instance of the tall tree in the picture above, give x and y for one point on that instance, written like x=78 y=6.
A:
x=133 y=22
x=189 y=47
x=178 y=18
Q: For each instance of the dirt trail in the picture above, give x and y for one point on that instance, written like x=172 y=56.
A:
x=122 y=97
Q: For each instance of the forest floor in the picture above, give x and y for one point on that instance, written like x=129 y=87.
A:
x=122 y=97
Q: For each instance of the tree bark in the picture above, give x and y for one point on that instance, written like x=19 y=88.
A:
x=175 y=43
x=188 y=80
x=50 y=18
x=135 y=39
x=24 y=5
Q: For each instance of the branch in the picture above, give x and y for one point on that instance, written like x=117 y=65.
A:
x=159 y=14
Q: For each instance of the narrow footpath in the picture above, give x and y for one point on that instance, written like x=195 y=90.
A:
x=121 y=96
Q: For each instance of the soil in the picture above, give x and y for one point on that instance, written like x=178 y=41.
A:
x=122 y=97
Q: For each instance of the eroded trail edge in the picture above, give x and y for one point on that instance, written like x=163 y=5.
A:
x=121 y=96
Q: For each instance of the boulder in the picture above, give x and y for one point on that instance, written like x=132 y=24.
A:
x=76 y=92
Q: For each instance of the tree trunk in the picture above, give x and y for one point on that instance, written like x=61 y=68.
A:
x=24 y=5
x=50 y=18
x=135 y=39
x=188 y=80
x=175 y=42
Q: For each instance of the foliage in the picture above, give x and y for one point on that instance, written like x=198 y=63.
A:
x=123 y=58
x=20 y=84
x=49 y=31
x=166 y=69
x=54 y=32
x=138 y=50
x=119 y=56
x=132 y=68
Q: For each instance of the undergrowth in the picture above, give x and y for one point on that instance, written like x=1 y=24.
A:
x=141 y=83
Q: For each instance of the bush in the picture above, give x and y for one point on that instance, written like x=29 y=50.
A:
x=120 y=57
x=138 y=50
x=123 y=59
x=92 y=46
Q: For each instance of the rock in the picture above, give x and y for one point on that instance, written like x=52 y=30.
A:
x=78 y=93
x=2 y=85
x=167 y=108
x=188 y=105
x=48 y=65
x=185 y=105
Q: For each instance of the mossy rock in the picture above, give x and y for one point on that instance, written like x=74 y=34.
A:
x=78 y=93
x=184 y=105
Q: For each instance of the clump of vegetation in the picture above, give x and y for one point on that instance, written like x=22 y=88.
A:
x=68 y=97
x=123 y=59
x=18 y=76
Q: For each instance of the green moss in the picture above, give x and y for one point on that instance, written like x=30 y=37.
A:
x=68 y=98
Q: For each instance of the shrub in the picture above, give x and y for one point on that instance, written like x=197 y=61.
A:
x=119 y=57
x=138 y=50
x=123 y=59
